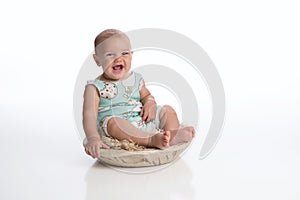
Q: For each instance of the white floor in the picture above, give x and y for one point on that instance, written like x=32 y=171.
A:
x=255 y=47
x=42 y=158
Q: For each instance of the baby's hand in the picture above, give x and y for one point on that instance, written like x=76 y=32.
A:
x=148 y=111
x=93 y=146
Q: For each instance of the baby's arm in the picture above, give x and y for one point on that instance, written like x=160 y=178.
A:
x=148 y=112
x=90 y=111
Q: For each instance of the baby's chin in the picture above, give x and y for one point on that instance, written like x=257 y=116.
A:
x=116 y=76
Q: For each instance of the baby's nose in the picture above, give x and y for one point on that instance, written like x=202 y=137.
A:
x=118 y=58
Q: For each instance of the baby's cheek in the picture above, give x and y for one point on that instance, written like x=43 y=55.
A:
x=106 y=64
x=104 y=67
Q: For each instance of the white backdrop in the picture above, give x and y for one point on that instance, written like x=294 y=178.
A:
x=255 y=46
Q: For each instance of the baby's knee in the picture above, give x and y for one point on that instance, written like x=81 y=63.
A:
x=115 y=123
x=111 y=122
x=168 y=109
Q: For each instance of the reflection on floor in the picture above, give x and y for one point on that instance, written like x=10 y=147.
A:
x=112 y=183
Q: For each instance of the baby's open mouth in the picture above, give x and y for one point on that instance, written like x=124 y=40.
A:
x=118 y=67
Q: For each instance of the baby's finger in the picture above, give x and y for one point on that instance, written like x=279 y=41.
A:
x=105 y=146
x=148 y=119
x=98 y=147
x=145 y=119
x=93 y=151
x=142 y=112
x=153 y=116
x=145 y=115
x=87 y=151
x=97 y=152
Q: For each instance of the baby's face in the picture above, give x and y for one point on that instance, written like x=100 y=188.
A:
x=114 y=55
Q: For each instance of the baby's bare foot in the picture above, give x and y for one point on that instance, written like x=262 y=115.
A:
x=181 y=135
x=160 y=140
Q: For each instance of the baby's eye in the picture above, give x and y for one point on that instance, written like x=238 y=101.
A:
x=125 y=53
x=109 y=54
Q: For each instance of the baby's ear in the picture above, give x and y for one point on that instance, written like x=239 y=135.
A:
x=97 y=60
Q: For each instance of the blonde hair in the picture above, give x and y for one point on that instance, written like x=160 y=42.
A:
x=107 y=34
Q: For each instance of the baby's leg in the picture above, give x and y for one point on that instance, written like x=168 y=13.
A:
x=169 y=122
x=122 y=129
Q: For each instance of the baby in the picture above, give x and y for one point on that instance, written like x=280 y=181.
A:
x=118 y=104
